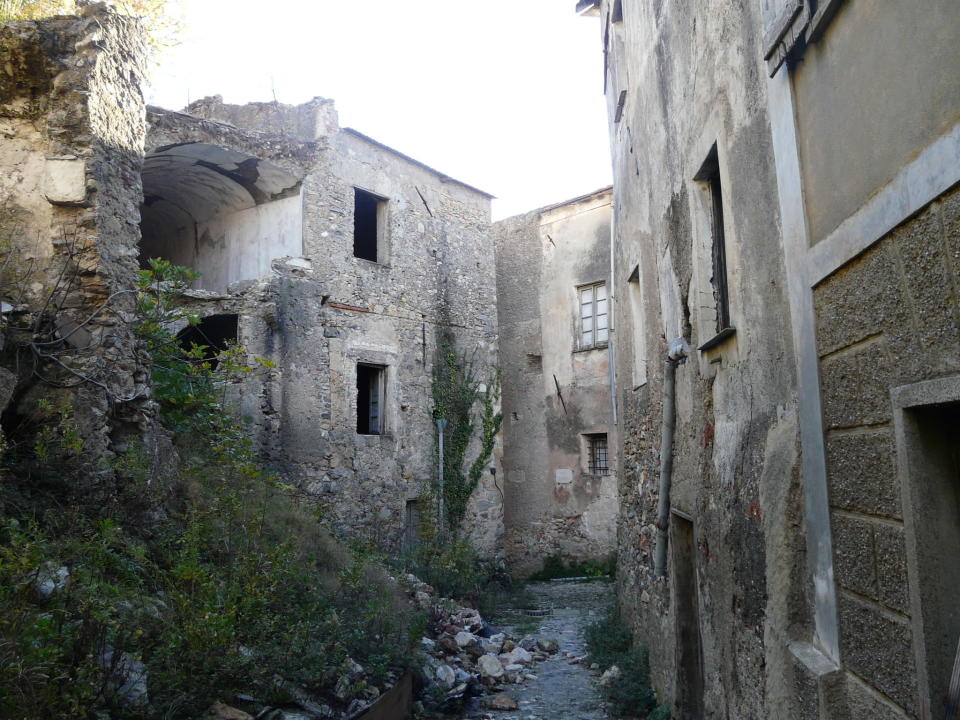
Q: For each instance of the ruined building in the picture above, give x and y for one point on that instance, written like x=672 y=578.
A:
x=347 y=265
x=785 y=279
x=558 y=435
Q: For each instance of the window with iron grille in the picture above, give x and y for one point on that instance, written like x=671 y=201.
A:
x=597 y=455
x=593 y=315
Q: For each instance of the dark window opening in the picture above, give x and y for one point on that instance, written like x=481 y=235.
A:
x=710 y=174
x=597 y=463
x=370 y=387
x=366 y=221
x=616 y=15
x=214 y=334
x=411 y=526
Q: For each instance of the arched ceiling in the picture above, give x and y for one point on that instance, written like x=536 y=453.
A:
x=193 y=182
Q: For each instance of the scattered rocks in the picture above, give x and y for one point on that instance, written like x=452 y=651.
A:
x=490 y=666
x=503 y=702
x=225 y=712
x=548 y=645
x=610 y=675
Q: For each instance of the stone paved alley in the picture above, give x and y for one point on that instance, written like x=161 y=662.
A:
x=565 y=688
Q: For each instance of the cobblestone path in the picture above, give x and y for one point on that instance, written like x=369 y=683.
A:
x=565 y=689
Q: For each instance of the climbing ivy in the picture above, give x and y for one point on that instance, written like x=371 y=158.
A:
x=456 y=389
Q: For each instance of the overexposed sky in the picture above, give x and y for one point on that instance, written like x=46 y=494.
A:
x=505 y=95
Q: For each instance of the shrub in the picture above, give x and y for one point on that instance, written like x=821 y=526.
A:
x=609 y=643
x=555 y=567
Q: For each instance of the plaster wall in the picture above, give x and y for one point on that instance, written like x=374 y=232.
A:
x=555 y=391
x=688 y=77
x=865 y=108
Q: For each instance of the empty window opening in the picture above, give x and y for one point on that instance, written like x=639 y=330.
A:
x=367 y=231
x=214 y=334
x=597 y=460
x=370 y=398
x=593 y=315
x=689 y=651
x=710 y=175
x=616 y=15
x=635 y=292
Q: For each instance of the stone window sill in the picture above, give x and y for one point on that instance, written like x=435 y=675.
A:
x=588 y=348
x=717 y=339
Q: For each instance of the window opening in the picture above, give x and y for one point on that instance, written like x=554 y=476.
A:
x=710 y=175
x=597 y=463
x=593 y=315
x=370 y=387
x=366 y=224
x=690 y=685
x=214 y=333
x=639 y=328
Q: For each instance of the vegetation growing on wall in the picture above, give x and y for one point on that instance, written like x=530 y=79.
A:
x=456 y=390
x=231 y=584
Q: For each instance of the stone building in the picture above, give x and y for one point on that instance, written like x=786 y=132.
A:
x=339 y=259
x=785 y=274
x=559 y=440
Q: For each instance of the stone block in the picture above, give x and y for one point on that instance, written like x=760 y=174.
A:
x=931 y=343
x=857 y=301
x=891 y=550
x=861 y=472
x=878 y=649
x=853 y=554
x=950 y=214
x=856 y=386
x=863 y=703
x=66 y=181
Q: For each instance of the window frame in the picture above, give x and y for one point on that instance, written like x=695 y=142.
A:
x=594 y=343
x=380 y=401
x=594 y=466
x=380 y=225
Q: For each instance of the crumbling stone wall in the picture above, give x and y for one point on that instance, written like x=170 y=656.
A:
x=317 y=316
x=555 y=391
x=71 y=117
x=682 y=77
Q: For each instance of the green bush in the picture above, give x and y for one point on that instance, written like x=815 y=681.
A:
x=555 y=567
x=609 y=643
x=234 y=582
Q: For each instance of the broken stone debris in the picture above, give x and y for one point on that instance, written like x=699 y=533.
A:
x=459 y=662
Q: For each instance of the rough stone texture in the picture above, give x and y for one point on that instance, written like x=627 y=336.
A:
x=879 y=650
x=317 y=316
x=71 y=118
x=861 y=471
x=854 y=553
x=693 y=74
x=554 y=391
x=892 y=567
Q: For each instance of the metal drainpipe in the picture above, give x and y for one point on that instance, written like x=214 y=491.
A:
x=677 y=355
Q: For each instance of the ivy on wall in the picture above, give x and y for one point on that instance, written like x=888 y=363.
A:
x=456 y=389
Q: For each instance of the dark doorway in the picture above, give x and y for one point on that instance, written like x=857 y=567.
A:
x=689 y=651
x=213 y=333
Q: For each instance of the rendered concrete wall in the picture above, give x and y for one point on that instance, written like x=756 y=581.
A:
x=879 y=85
x=554 y=391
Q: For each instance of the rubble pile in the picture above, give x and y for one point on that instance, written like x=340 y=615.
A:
x=468 y=658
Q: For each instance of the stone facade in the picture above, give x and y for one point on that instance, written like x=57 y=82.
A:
x=271 y=193
x=71 y=120
x=556 y=402
x=779 y=164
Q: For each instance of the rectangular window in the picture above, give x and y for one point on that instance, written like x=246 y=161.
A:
x=597 y=455
x=593 y=315
x=709 y=177
x=368 y=212
x=370 y=398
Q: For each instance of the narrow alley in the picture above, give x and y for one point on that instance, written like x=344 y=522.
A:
x=565 y=688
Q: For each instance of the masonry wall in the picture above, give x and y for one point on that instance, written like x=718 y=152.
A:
x=319 y=315
x=683 y=78
x=555 y=391
x=71 y=113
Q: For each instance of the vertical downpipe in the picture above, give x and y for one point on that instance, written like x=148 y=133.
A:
x=677 y=355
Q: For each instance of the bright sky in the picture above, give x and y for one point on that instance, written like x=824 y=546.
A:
x=505 y=95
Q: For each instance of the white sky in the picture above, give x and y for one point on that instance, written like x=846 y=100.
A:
x=505 y=95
